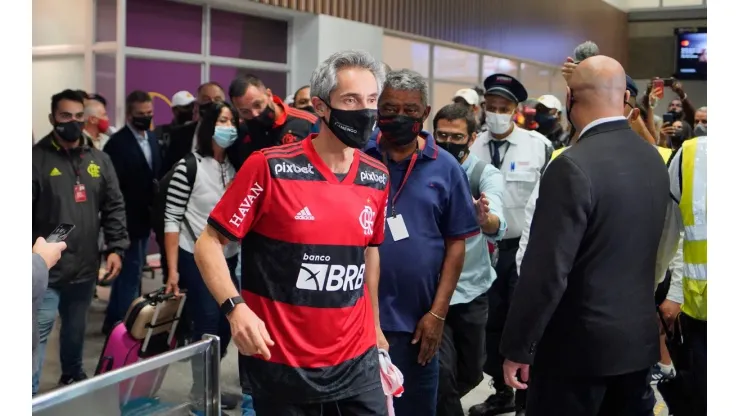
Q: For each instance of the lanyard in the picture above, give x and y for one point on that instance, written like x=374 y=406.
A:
x=75 y=166
x=412 y=162
x=501 y=154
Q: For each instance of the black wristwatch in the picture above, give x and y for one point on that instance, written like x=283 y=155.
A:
x=228 y=306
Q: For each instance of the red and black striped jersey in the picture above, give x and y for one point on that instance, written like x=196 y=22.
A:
x=304 y=233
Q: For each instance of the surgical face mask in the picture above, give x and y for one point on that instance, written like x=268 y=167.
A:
x=69 y=131
x=700 y=130
x=399 y=130
x=224 y=136
x=352 y=127
x=498 y=123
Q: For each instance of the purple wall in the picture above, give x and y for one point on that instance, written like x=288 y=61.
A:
x=165 y=25
x=242 y=36
x=276 y=81
x=161 y=77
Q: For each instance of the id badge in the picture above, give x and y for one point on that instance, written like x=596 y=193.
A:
x=80 y=194
x=398 y=228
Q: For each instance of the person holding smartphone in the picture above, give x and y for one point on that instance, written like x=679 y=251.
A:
x=74 y=184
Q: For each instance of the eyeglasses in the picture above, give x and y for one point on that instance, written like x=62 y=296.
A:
x=444 y=136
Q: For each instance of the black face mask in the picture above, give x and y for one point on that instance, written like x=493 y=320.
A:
x=266 y=118
x=141 y=123
x=457 y=150
x=547 y=123
x=569 y=109
x=183 y=116
x=399 y=130
x=700 y=130
x=205 y=108
x=309 y=108
x=69 y=131
x=352 y=127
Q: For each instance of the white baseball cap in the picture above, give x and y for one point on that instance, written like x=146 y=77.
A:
x=469 y=95
x=182 y=99
x=550 y=101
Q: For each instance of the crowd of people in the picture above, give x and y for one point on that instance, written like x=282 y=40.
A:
x=557 y=248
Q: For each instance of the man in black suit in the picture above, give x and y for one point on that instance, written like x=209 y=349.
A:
x=583 y=312
x=136 y=158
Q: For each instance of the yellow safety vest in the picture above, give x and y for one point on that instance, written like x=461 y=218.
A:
x=693 y=207
x=665 y=153
x=557 y=153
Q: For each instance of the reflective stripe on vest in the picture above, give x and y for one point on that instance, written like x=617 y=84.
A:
x=693 y=208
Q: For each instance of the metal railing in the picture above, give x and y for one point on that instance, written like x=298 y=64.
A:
x=209 y=347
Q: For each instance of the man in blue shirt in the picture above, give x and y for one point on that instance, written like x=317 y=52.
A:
x=430 y=214
x=463 y=350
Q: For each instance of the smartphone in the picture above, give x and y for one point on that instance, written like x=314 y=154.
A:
x=658 y=87
x=669 y=118
x=60 y=233
x=667 y=82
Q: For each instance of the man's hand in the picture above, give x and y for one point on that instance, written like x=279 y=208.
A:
x=669 y=310
x=481 y=208
x=173 y=281
x=677 y=87
x=567 y=69
x=429 y=331
x=381 y=341
x=249 y=332
x=113 y=266
x=510 y=370
x=667 y=131
x=50 y=252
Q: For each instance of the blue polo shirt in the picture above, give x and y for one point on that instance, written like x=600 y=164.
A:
x=436 y=204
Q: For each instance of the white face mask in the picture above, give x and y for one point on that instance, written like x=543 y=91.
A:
x=498 y=123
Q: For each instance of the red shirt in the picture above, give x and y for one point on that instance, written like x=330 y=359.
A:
x=304 y=235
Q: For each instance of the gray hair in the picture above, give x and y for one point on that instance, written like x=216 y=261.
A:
x=408 y=80
x=324 y=77
x=93 y=108
x=702 y=109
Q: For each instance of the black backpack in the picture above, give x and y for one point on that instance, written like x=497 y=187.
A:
x=160 y=200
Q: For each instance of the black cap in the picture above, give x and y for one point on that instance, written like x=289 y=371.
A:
x=505 y=86
x=632 y=87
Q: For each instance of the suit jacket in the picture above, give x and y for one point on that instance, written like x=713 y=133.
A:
x=584 y=304
x=138 y=181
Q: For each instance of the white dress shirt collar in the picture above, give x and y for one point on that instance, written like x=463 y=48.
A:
x=600 y=121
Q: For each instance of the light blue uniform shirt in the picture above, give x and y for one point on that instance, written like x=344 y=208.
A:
x=143 y=141
x=478 y=274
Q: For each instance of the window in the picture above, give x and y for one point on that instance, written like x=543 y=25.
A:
x=162 y=79
x=557 y=87
x=536 y=79
x=442 y=93
x=242 y=36
x=68 y=73
x=58 y=23
x=105 y=20
x=164 y=25
x=275 y=81
x=402 y=53
x=674 y=3
x=643 y=4
x=105 y=83
x=455 y=65
x=495 y=65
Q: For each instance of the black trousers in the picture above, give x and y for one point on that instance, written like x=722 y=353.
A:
x=462 y=354
x=371 y=403
x=243 y=377
x=623 y=395
x=695 y=339
x=499 y=297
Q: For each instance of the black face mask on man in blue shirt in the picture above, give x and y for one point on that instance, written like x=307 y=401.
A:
x=399 y=130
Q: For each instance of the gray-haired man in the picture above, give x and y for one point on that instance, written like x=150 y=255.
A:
x=310 y=218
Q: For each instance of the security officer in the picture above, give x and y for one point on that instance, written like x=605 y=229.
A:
x=521 y=155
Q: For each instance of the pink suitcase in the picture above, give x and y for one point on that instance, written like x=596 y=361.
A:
x=148 y=329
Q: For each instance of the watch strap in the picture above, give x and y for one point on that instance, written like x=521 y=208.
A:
x=229 y=304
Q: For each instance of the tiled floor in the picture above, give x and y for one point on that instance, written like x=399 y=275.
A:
x=178 y=379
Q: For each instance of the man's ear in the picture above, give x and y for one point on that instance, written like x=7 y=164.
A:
x=319 y=106
x=472 y=139
x=426 y=112
x=269 y=93
x=627 y=96
x=51 y=119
